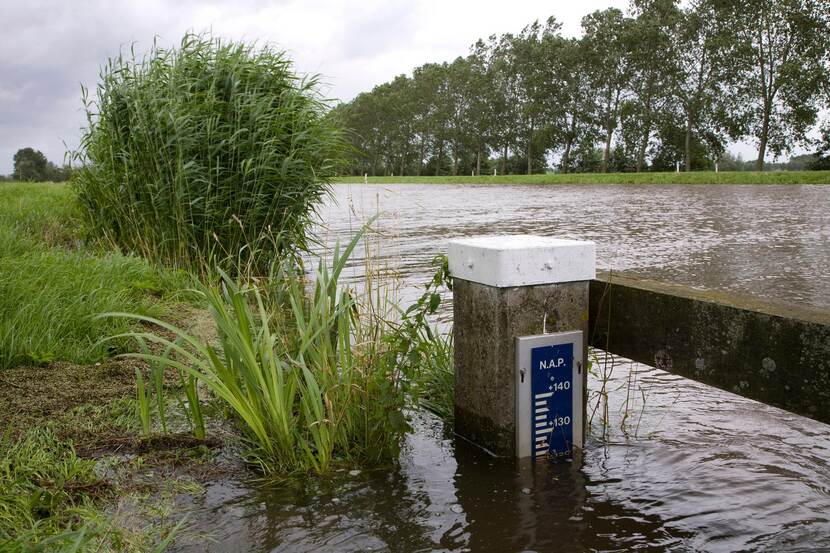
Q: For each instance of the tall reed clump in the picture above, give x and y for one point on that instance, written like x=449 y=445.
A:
x=212 y=153
x=308 y=375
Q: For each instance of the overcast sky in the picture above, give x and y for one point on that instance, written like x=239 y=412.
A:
x=49 y=48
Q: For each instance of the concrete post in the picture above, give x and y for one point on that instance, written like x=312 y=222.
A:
x=505 y=287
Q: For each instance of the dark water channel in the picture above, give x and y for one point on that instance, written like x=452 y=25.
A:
x=670 y=465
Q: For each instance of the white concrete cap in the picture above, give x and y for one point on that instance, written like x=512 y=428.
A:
x=521 y=260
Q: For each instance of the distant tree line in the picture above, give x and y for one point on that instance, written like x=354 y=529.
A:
x=32 y=165
x=821 y=159
x=637 y=91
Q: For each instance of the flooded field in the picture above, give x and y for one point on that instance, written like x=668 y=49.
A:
x=669 y=465
x=768 y=241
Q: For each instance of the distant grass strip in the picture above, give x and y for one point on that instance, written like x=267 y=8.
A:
x=703 y=177
x=37 y=215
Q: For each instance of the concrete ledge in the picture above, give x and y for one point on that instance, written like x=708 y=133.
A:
x=774 y=353
x=521 y=260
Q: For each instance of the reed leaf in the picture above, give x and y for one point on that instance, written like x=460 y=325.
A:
x=304 y=374
x=214 y=153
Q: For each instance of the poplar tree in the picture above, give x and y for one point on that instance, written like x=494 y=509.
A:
x=606 y=38
x=654 y=67
x=779 y=64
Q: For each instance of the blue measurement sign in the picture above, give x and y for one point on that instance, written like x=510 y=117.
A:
x=552 y=408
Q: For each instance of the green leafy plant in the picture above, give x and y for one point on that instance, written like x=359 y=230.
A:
x=143 y=402
x=212 y=153
x=305 y=374
x=157 y=380
x=422 y=351
x=193 y=408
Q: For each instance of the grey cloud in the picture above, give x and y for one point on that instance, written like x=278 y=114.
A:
x=376 y=30
x=48 y=48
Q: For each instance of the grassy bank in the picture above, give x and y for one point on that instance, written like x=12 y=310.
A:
x=66 y=404
x=293 y=381
x=113 y=386
x=53 y=283
x=703 y=177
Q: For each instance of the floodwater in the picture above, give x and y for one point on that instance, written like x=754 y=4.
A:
x=767 y=241
x=669 y=465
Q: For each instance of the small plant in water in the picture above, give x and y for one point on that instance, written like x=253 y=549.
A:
x=307 y=376
x=424 y=351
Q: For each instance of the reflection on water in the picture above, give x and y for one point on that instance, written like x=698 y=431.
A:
x=691 y=469
x=675 y=465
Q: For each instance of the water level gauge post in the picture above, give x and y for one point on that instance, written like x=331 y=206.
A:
x=520 y=290
x=549 y=398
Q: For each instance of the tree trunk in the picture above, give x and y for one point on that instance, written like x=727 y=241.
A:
x=566 y=157
x=530 y=152
x=687 y=155
x=762 y=143
x=641 y=154
x=454 y=159
x=504 y=160
x=478 y=161
x=606 y=156
x=440 y=155
x=647 y=119
x=421 y=159
x=610 y=124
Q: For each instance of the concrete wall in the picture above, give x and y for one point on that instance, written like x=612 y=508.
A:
x=776 y=354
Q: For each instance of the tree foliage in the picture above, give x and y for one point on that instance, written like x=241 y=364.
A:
x=779 y=67
x=663 y=83
x=821 y=161
x=32 y=165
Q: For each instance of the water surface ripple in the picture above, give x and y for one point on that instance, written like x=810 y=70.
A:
x=671 y=465
x=768 y=241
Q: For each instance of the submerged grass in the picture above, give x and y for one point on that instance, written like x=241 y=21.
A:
x=45 y=489
x=51 y=500
x=697 y=177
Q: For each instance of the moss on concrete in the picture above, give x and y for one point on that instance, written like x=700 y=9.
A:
x=773 y=353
